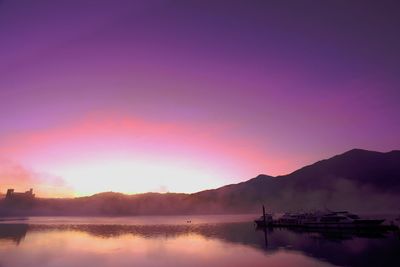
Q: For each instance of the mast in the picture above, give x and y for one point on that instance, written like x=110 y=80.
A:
x=264 y=218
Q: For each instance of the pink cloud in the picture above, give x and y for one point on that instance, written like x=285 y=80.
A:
x=126 y=134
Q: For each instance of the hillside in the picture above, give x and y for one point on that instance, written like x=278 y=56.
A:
x=357 y=180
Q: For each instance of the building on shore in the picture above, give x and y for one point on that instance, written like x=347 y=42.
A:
x=13 y=196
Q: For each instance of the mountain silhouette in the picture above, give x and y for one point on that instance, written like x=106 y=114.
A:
x=357 y=180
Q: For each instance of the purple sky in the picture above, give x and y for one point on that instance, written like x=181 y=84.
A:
x=245 y=86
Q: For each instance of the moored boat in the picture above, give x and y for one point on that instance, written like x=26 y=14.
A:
x=322 y=219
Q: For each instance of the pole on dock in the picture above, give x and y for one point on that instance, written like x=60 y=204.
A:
x=265 y=220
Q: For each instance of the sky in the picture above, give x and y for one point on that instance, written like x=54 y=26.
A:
x=182 y=96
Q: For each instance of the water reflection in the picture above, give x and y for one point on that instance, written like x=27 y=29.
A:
x=13 y=232
x=216 y=244
x=343 y=248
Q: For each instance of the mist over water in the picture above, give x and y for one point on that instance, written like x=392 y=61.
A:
x=184 y=241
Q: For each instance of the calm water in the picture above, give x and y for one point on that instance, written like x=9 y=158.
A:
x=171 y=241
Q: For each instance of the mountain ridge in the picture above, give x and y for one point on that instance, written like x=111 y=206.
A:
x=359 y=180
x=259 y=176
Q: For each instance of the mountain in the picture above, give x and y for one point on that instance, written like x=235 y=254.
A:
x=357 y=180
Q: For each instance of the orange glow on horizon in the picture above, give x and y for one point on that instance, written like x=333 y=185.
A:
x=129 y=155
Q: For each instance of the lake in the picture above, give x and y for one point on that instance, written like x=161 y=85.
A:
x=184 y=241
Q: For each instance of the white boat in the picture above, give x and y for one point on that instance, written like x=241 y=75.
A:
x=329 y=219
x=322 y=219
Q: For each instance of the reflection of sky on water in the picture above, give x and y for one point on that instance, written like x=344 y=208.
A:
x=214 y=244
x=62 y=247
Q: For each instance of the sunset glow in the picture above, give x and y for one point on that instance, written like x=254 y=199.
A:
x=167 y=96
x=218 y=133
x=132 y=156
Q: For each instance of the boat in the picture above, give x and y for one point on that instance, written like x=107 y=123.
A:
x=330 y=219
x=321 y=219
